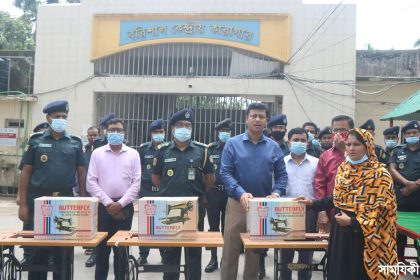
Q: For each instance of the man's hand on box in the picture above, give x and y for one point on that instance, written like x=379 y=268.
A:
x=244 y=200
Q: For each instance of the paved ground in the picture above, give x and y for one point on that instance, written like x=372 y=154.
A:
x=10 y=221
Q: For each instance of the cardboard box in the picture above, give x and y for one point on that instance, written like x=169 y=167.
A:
x=65 y=217
x=168 y=217
x=276 y=218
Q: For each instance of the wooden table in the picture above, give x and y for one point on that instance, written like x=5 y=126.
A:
x=312 y=242
x=26 y=238
x=124 y=239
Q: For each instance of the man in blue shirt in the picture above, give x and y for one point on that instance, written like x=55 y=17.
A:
x=252 y=166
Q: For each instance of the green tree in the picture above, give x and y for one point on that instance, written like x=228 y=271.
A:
x=417 y=44
x=15 y=34
x=29 y=8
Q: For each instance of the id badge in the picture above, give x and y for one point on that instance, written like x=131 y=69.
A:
x=191 y=173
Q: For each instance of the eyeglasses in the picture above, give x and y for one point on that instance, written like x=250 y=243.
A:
x=182 y=125
x=342 y=129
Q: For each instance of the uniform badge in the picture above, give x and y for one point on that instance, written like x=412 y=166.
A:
x=170 y=173
x=215 y=166
x=148 y=166
x=154 y=161
x=401 y=165
x=26 y=147
x=187 y=115
x=44 y=158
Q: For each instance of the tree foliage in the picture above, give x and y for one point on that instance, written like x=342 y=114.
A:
x=15 y=33
x=417 y=44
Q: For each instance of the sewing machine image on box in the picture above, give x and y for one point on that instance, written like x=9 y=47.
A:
x=276 y=218
x=168 y=217
x=65 y=217
x=63 y=224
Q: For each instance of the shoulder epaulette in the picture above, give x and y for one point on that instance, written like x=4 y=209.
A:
x=36 y=134
x=200 y=144
x=163 y=145
x=212 y=144
x=76 y=137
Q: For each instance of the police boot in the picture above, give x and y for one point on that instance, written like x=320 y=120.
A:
x=261 y=270
x=213 y=265
x=91 y=261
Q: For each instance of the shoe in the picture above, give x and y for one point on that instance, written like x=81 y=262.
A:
x=261 y=270
x=88 y=252
x=142 y=260
x=91 y=261
x=212 y=266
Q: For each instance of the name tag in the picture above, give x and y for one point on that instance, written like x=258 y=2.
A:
x=42 y=145
x=215 y=156
x=170 y=159
x=148 y=156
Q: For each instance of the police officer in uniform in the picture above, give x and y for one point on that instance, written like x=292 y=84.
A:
x=278 y=128
x=182 y=167
x=405 y=170
x=101 y=140
x=217 y=196
x=147 y=151
x=391 y=140
x=50 y=163
x=379 y=151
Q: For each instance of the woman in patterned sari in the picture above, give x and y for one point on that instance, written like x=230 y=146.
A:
x=363 y=234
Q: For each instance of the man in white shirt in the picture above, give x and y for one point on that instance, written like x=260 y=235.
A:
x=301 y=169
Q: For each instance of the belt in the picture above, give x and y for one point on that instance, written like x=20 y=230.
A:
x=219 y=187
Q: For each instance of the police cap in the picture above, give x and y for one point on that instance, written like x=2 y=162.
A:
x=56 y=106
x=410 y=125
x=368 y=125
x=326 y=130
x=392 y=130
x=183 y=115
x=280 y=119
x=226 y=123
x=103 y=121
x=156 y=124
x=40 y=126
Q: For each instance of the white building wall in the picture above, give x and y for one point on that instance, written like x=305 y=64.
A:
x=63 y=69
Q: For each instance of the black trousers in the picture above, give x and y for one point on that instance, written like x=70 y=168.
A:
x=40 y=255
x=172 y=256
x=108 y=224
x=217 y=200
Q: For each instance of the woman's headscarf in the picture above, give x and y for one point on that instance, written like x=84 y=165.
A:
x=367 y=190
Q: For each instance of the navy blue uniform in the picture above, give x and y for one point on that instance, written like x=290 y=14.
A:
x=176 y=179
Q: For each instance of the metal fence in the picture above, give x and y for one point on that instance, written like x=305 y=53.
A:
x=139 y=110
x=191 y=60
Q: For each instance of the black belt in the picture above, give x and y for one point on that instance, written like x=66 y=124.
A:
x=219 y=187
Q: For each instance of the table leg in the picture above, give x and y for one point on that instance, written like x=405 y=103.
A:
x=276 y=263
x=187 y=263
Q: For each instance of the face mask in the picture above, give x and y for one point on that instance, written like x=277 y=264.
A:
x=158 y=137
x=224 y=136
x=58 y=125
x=391 y=143
x=326 y=147
x=278 y=135
x=297 y=148
x=411 y=140
x=115 y=138
x=316 y=143
x=364 y=158
x=182 y=134
x=310 y=137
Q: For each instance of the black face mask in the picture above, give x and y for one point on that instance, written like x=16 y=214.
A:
x=278 y=135
x=326 y=147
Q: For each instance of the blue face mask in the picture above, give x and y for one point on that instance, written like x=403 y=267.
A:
x=364 y=158
x=298 y=148
x=58 y=125
x=412 y=140
x=158 y=137
x=310 y=137
x=115 y=138
x=182 y=134
x=391 y=143
x=316 y=143
x=224 y=136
